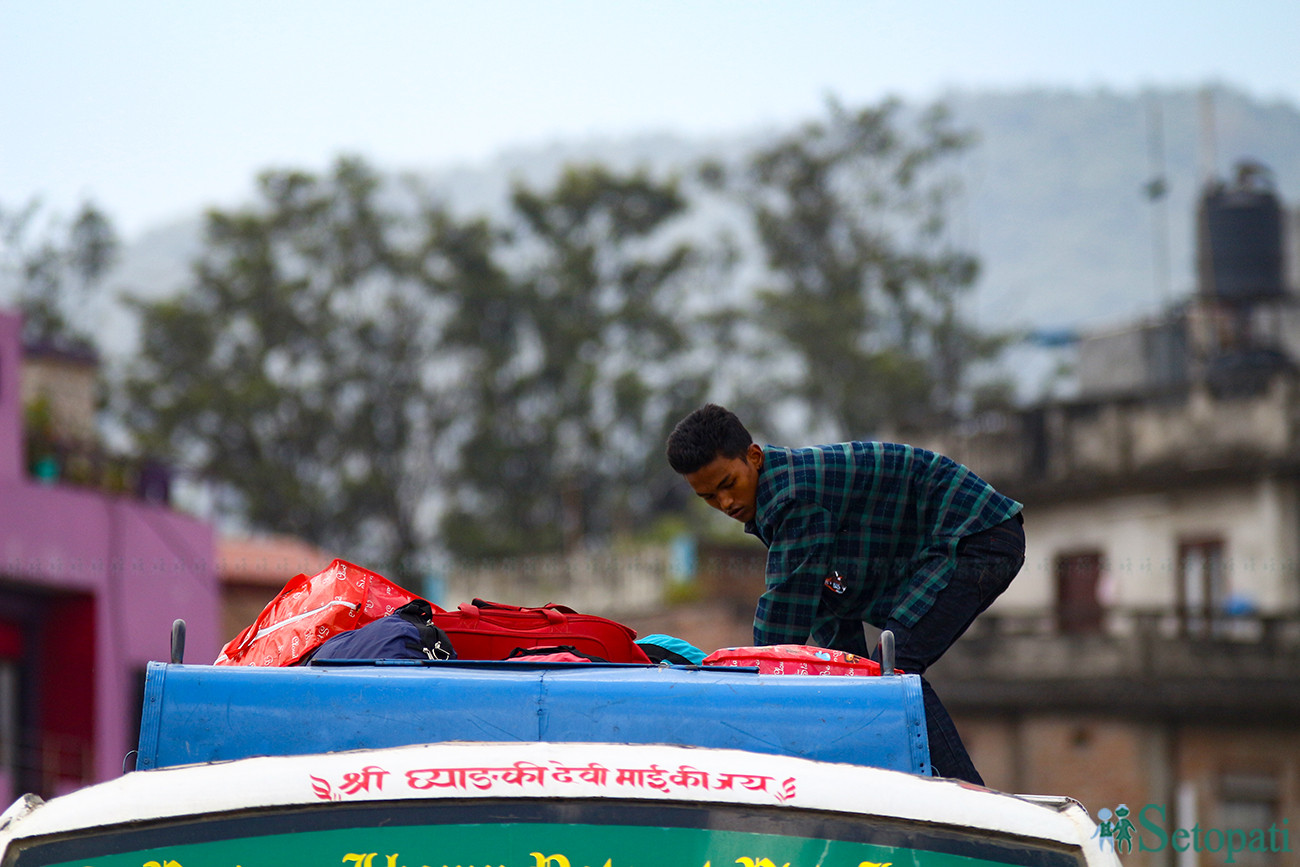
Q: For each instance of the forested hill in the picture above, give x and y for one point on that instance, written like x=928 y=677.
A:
x=1055 y=195
x=1053 y=199
x=355 y=356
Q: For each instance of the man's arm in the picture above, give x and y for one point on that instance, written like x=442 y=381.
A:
x=798 y=562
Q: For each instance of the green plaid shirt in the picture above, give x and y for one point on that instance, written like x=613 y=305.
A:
x=886 y=517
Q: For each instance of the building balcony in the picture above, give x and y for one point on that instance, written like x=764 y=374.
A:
x=56 y=461
x=1143 y=663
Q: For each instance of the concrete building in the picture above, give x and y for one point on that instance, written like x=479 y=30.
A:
x=1149 y=652
x=94 y=568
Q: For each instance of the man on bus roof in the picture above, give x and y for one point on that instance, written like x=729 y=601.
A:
x=888 y=534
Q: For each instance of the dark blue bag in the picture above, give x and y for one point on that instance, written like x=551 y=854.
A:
x=404 y=634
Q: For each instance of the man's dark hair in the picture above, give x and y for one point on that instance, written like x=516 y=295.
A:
x=705 y=434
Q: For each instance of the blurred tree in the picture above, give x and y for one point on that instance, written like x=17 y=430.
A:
x=298 y=369
x=53 y=272
x=863 y=284
x=576 y=365
x=351 y=359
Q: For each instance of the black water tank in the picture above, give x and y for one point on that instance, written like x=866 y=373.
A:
x=1239 y=239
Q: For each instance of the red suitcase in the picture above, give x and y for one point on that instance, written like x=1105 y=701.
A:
x=488 y=630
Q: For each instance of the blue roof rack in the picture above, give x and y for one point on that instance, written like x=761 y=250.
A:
x=200 y=713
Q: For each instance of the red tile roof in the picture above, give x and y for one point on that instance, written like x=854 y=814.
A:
x=267 y=560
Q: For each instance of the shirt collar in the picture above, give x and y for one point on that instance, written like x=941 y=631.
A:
x=765 y=493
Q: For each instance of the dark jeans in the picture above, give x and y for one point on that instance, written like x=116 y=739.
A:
x=986 y=563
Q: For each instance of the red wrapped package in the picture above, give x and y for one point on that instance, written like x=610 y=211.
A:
x=795 y=659
x=310 y=610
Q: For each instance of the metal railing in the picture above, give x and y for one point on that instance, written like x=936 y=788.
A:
x=1278 y=628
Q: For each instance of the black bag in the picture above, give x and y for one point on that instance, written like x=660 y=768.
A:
x=407 y=633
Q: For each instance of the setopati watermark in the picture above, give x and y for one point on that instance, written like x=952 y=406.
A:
x=1150 y=829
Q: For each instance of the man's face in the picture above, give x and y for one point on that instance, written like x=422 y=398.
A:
x=730 y=485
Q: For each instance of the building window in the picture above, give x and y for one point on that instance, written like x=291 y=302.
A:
x=1202 y=585
x=1249 y=801
x=1078 y=592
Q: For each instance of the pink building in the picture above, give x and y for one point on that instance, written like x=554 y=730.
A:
x=90 y=583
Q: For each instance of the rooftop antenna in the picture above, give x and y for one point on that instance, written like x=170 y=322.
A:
x=1157 y=189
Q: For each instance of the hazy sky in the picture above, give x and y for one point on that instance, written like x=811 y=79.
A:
x=157 y=108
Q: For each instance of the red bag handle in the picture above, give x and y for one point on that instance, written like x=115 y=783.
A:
x=554 y=606
x=554 y=613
